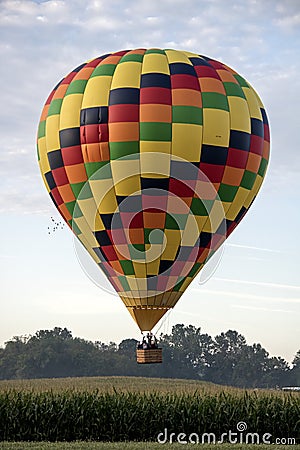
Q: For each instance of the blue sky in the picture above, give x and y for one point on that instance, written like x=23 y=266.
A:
x=255 y=288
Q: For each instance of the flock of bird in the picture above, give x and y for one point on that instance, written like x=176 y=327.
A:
x=55 y=226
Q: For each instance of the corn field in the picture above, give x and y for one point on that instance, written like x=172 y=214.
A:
x=131 y=416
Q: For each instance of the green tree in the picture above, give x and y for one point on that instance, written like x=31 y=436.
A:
x=227 y=353
x=12 y=358
x=295 y=372
x=187 y=351
x=251 y=366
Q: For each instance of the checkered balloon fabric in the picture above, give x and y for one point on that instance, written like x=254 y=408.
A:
x=153 y=157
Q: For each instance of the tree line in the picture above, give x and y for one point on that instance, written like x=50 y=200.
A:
x=226 y=359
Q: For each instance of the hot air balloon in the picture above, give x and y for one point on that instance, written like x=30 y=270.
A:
x=152 y=157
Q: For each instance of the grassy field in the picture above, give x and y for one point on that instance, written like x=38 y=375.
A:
x=132 y=446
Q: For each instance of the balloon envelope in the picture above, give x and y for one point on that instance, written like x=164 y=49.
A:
x=153 y=157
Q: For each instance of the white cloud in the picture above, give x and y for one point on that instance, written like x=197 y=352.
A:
x=288 y=14
x=259 y=283
x=259 y=308
x=245 y=295
x=249 y=247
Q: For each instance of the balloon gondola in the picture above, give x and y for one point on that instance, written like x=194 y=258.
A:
x=150 y=356
x=152 y=157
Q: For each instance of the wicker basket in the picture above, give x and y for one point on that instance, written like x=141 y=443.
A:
x=149 y=356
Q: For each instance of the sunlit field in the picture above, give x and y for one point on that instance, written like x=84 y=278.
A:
x=109 y=384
